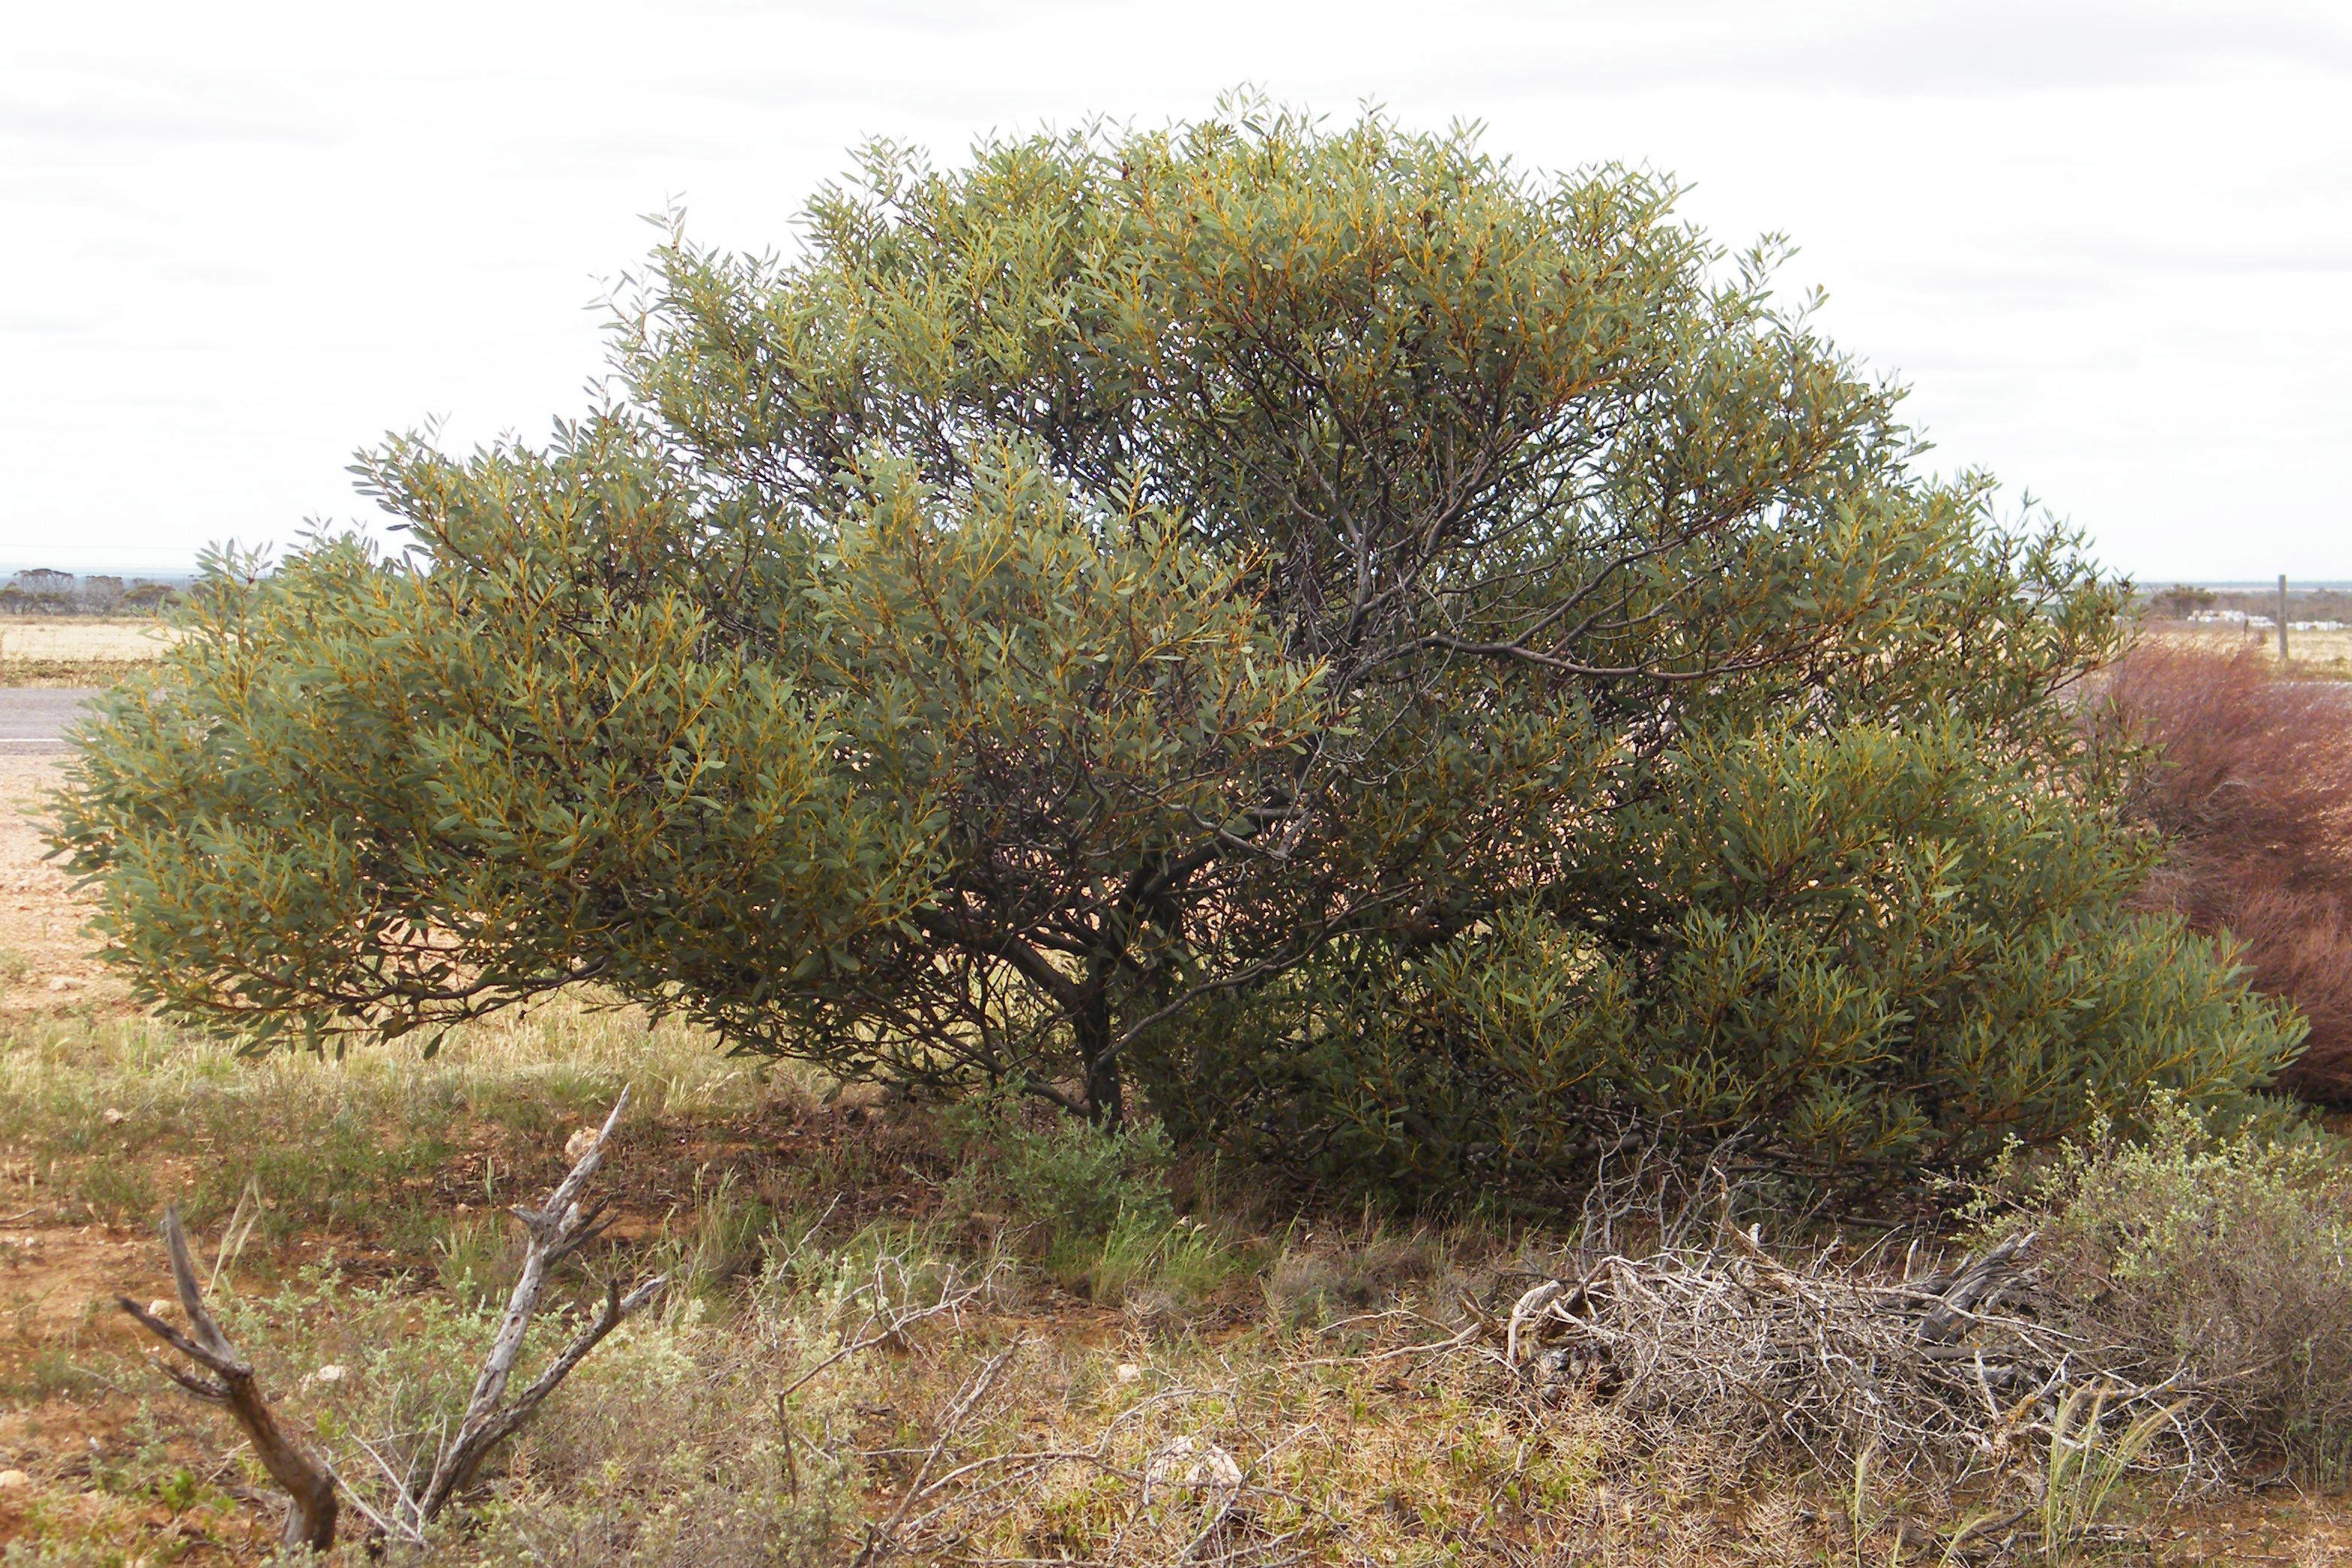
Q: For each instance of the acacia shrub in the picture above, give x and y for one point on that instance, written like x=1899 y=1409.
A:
x=1872 y=951
x=1445 y=611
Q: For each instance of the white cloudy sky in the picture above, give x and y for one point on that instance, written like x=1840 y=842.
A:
x=2109 y=244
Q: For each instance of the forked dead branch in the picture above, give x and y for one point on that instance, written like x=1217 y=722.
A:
x=308 y=1484
x=553 y=1232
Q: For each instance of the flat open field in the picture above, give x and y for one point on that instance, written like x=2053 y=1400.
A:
x=873 y=1341
x=2312 y=656
x=76 y=650
x=95 y=638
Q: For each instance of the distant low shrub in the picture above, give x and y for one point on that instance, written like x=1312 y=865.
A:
x=2221 y=1259
x=2248 y=776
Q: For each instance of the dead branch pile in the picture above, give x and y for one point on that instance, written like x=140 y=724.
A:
x=1827 y=1353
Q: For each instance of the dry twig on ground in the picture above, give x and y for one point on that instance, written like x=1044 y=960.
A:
x=308 y=1484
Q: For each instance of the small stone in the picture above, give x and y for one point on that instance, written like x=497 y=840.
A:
x=112 y=1117
x=576 y=1146
x=158 y=1307
x=64 y=983
x=328 y=1374
x=1128 y=1372
x=10 y=1480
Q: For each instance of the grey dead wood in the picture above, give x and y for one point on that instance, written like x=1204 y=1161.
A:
x=1721 y=1333
x=554 y=1231
x=1981 y=1280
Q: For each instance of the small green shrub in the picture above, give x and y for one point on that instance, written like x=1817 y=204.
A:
x=2225 y=1255
x=1067 y=1182
x=1091 y=1207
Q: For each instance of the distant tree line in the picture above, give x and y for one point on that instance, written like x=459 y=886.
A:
x=42 y=591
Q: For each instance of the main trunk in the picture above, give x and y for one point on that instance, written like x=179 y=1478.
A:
x=1090 y=1026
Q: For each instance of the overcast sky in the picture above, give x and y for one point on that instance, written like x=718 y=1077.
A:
x=2108 y=245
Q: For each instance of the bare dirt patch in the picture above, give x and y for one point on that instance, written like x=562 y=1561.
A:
x=46 y=962
x=55 y=1280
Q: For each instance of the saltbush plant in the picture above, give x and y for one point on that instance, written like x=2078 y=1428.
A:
x=2214 y=1260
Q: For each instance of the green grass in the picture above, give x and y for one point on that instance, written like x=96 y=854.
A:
x=117 y=1118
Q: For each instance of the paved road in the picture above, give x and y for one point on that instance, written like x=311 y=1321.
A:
x=32 y=718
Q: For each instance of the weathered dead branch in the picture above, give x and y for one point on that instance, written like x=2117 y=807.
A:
x=308 y=1484
x=555 y=1231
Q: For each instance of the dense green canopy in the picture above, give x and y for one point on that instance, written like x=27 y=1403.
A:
x=1407 y=658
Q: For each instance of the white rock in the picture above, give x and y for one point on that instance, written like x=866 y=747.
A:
x=1128 y=1372
x=1185 y=1464
x=158 y=1307
x=328 y=1374
x=578 y=1144
x=12 y=1479
x=113 y=1117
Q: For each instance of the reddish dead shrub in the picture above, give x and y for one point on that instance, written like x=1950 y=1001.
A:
x=2248 y=778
